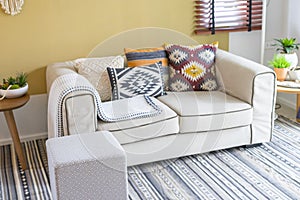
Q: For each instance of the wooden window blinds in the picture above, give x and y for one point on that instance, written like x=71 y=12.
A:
x=212 y=16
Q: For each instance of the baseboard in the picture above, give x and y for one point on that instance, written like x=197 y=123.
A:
x=25 y=138
x=286 y=102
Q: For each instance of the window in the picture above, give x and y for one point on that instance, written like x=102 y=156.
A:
x=213 y=16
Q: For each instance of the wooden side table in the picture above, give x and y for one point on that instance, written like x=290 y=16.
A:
x=7 y=106
x=292 y=91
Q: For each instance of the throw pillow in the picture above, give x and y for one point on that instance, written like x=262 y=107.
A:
x=192 y=67
x=147 y=56
x=94 y=70
x=129 y=82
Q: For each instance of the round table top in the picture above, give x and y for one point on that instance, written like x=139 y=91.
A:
x=10 y=104
x=288 y=90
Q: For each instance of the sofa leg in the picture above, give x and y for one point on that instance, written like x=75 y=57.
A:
x=87 y=166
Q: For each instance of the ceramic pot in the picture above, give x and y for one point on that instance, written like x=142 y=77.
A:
x=281 y=73
x=15 y=93
x=291 y=58
x=294 y=75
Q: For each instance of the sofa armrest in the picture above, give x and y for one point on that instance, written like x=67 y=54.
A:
x=79 y=109
x=253 y=83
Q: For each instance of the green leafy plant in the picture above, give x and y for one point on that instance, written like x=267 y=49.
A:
x=16 y=82
x=286 y=45
x=279 y=61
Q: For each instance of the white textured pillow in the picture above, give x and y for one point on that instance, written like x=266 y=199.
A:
x=94 y=70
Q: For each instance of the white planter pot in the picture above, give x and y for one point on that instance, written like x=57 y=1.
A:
x=292 y=58
x=294 y=75
x=15 y=93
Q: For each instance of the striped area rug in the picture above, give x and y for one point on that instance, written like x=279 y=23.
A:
x=268 y=171
x=29 y=184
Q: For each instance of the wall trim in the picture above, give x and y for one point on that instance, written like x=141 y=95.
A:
x=25 y=138
x=284 y=101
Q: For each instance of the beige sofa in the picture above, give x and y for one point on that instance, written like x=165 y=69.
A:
x=241 y=113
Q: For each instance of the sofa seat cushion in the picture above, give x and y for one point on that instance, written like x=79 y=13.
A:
x=207 y=111
x=128 y=131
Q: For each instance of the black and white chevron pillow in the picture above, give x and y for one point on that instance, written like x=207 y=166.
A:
x=132 y=81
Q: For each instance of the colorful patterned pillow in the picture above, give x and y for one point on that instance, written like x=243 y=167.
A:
x=94 y=70
x=147 y=56
x=192 y=67
x=129 y=82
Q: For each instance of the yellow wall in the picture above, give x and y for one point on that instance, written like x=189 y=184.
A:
x=57 y=30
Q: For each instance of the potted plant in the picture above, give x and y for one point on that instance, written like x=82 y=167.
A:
x=287 y=47
x=14 y=87
x=280 y=65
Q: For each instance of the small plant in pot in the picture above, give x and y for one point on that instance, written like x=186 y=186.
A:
x=281 y=66
x=14 y=87
x=287 y=47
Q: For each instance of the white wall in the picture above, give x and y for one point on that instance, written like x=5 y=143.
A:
x=293 y=19
x=31 y=120
x=276 y=26
x=246 y=44
x=282 y=21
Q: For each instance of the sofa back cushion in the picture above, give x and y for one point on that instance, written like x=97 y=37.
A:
x=94 y=69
